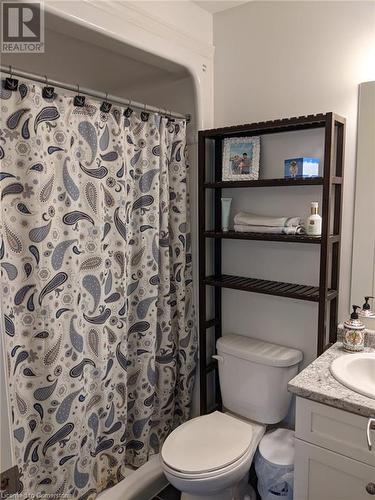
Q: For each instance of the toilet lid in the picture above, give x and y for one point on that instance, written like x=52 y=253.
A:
x=207 y=443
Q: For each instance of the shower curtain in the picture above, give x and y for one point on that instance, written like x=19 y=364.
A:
x=96 y=298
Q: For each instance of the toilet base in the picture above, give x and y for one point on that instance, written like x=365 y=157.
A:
x=226 y=484
x=241 y=491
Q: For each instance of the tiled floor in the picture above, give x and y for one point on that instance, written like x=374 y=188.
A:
x=169 y=493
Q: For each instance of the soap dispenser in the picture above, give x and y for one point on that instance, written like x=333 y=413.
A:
x=366 y=315
x=354 y=333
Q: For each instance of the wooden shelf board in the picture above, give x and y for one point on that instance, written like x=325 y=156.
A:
x=277 y=288
x=269 y=127
x=288 y=238
x=212 y=322
x=311 y=181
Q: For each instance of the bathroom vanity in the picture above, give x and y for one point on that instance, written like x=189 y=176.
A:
x=335 y=435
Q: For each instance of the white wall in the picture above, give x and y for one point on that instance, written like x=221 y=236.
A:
x=282 y=59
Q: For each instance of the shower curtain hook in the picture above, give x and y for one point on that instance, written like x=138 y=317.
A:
x=128 y=111
x=106 y=106
x=47 y=91
x=10 y=82
x=170 y=119
x=79 y=100
x=144 y=114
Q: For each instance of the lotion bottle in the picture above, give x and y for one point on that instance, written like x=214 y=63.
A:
x=314 y=221
x=225 y=211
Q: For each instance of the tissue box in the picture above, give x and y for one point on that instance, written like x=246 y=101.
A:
x=301 y=167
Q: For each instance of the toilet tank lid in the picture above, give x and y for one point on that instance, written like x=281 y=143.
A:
x=258 y=351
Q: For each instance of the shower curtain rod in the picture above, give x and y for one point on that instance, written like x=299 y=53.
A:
x=90 y=92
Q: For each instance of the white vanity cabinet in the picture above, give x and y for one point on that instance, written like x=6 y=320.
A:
x=333 y=460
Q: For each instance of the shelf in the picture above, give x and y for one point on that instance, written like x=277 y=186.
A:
x=280 y=289
x=289 y=238
x=286 y=238
x=275 y=126
x=211 y=323
x=313 y=181
x=212 y=365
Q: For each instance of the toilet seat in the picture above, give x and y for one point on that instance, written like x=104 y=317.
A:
x=229 y=469
x=206 y=446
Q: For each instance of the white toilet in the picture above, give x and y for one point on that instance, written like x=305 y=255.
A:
x=209 y=457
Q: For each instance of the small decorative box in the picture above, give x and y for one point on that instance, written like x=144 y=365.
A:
x=301 y=167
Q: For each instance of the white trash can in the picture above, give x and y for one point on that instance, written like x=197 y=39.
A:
x=274 y=465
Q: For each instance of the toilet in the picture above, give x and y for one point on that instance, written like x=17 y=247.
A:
x=209 y=457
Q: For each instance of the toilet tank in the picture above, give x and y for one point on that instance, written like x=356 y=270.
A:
x=254 y=376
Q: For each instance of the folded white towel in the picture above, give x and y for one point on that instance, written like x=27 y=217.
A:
x=243 y=228
x=246 y=218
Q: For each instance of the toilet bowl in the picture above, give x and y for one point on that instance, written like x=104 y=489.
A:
x=209 y=457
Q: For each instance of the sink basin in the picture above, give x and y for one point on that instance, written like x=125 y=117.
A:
x=357 y=372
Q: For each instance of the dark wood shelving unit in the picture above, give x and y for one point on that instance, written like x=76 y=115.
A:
x=326 y=294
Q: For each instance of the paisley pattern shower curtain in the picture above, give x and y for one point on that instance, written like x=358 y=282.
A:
x=96 y=290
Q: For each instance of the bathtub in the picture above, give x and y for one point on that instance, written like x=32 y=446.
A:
x=140 y=484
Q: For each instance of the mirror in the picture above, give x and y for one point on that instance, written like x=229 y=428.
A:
x=363 y=264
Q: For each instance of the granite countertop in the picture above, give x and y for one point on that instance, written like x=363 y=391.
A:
x=315 y=382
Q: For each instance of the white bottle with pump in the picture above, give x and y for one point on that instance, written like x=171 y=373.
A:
x=314 y=221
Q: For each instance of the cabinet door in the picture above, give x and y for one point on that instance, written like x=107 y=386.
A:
x=334 y=429
x=324 y=475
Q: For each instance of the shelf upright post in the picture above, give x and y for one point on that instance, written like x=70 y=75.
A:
x=202 y=270
x=329 y=139
x=218 y=259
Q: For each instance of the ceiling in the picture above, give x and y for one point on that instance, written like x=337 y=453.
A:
x=217 y=6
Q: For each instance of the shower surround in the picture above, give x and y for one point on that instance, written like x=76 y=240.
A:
x=96 y=288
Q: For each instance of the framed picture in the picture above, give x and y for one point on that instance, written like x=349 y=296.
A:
x=241 y=159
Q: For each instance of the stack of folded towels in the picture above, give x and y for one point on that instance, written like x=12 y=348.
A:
x=245 y=222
